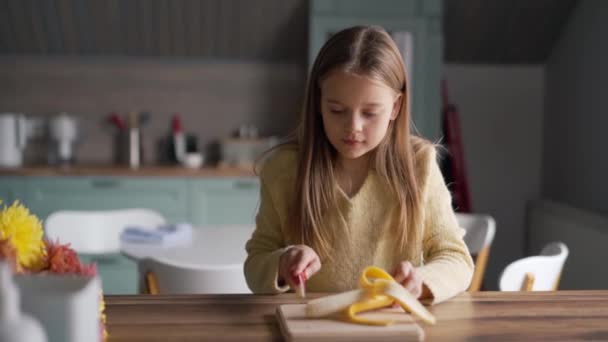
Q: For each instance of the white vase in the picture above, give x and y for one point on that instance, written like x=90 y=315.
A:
x=14 y=325
x=66 y=305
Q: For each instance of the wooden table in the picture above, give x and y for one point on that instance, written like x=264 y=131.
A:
x=491 y=316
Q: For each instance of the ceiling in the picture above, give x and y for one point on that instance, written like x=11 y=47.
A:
x=503 y=31
x=475 y=31
x=209 y=29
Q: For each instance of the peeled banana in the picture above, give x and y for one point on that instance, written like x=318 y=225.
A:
x=377 y=290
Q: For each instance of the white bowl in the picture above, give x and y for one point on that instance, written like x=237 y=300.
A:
x=193 y=160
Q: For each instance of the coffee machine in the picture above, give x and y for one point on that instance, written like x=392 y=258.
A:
x=63 y=132
x=13 y=138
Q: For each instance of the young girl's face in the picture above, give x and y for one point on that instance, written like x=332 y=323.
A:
x=356 y=112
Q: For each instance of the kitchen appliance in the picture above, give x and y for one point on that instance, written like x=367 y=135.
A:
x=243 y=152
x=13 y=138
x=63 y=131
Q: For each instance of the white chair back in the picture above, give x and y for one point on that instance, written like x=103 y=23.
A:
x=97 y=232
x=172 y=278
x=480 y=230
x=479 y=235
x=546 y=269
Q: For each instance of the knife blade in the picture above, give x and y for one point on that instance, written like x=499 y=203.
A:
x=301 y=289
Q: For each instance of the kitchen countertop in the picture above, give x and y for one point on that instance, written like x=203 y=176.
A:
x=122 y=171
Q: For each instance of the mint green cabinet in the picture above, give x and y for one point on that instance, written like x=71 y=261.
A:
x=118 y=273
x=420 y=18
x=168 y=196
x=224 y=202
x=10 y=189
x=201 y=201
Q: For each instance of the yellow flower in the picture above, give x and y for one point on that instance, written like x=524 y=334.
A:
x=24 y=231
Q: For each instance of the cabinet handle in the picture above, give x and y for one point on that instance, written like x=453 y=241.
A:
x=105 y=183
x=106 y=260
x=244 y=185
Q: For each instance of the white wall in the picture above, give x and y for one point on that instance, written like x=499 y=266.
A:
x=575 y=163
x=583 y=232
x=501 y=118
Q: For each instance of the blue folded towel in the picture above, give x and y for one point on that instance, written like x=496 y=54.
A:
x=165 y=234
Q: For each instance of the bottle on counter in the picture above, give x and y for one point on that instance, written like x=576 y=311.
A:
x=134 y=141
x=179 y=139
x=63 y=133
x=120 y=138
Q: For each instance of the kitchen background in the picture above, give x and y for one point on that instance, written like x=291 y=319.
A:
x=528 y=78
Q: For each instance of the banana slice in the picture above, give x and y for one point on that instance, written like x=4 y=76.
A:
x=325 y=306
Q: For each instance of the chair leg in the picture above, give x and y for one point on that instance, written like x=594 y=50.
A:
x=556 y=284
x=481 y=260
x=151 y=283
x=528 y=282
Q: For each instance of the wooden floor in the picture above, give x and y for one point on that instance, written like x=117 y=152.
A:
x=483 y=316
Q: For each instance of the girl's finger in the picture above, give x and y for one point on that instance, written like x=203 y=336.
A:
x=287 y=278
x=313 y=267
x=302 y=263
x=412 y=287
x=417 y=291
x=288 y=264
x=306 y=258
x=403 y=272
x=292 y=279
x=292 y=282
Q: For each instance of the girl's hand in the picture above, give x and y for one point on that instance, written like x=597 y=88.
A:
x=299 y=259
x=406 y=275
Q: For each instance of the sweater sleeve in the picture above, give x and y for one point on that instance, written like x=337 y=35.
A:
x=448 y=266
x=265 y=247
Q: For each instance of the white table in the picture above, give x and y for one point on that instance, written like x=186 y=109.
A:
x=212 y=247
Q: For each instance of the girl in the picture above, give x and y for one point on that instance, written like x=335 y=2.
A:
x=352 y=187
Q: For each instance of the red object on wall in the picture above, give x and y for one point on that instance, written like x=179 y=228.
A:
x=454 y=168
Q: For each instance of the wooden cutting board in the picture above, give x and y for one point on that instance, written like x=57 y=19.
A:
x=296 y=327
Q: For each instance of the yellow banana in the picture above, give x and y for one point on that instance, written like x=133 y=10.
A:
x=377 y=290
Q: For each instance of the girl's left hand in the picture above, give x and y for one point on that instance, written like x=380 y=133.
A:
x=406 y=275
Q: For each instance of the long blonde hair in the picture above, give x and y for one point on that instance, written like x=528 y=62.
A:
x=367 y=51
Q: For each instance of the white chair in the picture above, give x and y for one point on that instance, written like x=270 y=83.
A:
x=164 y=277
x=480 y=231
x=536 y=273
x=97 y=232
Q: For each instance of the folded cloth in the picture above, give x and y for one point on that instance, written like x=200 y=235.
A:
x=165 y=234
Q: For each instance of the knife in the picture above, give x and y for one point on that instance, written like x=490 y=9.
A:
x=301 y=288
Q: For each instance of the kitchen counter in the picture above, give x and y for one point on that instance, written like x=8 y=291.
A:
x=115 y=170
x=492 y=316
x=211 y=195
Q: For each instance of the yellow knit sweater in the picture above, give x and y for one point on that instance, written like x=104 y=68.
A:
x=444 y=264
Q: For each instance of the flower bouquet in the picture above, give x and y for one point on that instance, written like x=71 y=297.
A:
x=23 y=247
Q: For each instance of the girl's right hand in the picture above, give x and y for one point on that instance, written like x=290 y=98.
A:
x=298 y=259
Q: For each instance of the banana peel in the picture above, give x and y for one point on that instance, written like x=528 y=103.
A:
x=377 y=289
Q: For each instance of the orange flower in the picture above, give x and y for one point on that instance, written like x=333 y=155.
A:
x=61 y=258
x=89 y=270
